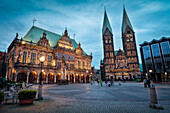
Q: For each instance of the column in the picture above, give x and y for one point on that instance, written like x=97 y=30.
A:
x=74 y=78
x=27 y=77
x=68 y=77
x=84 y=78
x=54 y=78
x=79 y=78
x=89 y=79
x=47 y=79
x=16 y=76
x=38 y=78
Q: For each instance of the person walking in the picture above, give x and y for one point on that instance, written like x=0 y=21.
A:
x=119 y=83
x=98 y=82
x=101 y=82
x=148 y=82
x=145 y=82
x=106 y=83
x=111 y=82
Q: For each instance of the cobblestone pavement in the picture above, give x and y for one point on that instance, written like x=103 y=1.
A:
x=130 y=97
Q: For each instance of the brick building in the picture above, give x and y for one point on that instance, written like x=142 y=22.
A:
x=119 y=64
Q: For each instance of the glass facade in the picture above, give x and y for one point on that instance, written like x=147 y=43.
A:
x=166 y=53
x=147 y=57
x=157 y=58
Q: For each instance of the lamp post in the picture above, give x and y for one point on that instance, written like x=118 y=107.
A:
x=87 y=75
x=42 y=59
x=150 y=71
x=166 y=77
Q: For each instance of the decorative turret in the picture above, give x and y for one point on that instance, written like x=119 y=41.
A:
x=44 y=35
x=79 y=49
x=65 y=32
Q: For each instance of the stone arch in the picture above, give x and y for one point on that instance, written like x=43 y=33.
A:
x=32 y=77
x=58 y=77
x=82 y=78
x=66 y=76
x=71 y=78
x=77 y=78
x=22 y=76
x=51 y=77
x=44 y=77
x=87 y=78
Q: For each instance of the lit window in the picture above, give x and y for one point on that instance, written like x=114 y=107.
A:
x=106 y=41
x=24 y=57
x=49 y=59
x=131 y=39
x=33 y=58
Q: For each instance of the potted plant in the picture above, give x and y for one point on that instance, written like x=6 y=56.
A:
x=26 y=96
x=2 y=95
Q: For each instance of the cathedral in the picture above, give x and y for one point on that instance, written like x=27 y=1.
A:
x=119 y=64
x=64 y=58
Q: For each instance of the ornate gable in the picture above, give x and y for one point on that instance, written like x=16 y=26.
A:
x=65 y=41
x=79 y=50
x=121 y=60
x=43 y=41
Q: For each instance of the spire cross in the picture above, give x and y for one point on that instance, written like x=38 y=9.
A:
x=34 y=21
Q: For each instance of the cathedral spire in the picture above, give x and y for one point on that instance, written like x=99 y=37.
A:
x=126 y=21
x=106 y=23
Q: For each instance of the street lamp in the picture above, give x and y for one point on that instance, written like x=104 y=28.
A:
x=42 y=59
x=150 y=71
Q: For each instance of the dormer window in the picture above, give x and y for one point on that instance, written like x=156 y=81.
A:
x=43 y=41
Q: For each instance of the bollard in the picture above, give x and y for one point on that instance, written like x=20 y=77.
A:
x=153 y=98
x=153 y=95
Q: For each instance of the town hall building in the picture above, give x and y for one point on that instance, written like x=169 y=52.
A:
x=119 y=64
x=64 y=58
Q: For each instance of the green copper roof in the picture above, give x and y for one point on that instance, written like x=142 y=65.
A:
x=36 y=33
x=116 y=51
x=106 y=24
x=126 y=21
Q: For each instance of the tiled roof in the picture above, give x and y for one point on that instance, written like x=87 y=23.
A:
x=35 y=33
x=116 y=51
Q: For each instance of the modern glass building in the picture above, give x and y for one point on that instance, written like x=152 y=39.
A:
x=156 y=58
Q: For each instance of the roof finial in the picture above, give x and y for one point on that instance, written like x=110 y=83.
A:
x=16 y=35
x=33 y=21
x=65 y=32
x=104 y=8
x=74 y=36
x=123 y=6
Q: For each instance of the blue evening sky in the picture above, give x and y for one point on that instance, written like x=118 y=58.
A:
x=149 y=18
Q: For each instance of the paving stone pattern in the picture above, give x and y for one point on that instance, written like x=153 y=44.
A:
x=130 y=97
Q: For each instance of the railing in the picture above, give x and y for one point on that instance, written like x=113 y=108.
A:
x=34 y=65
